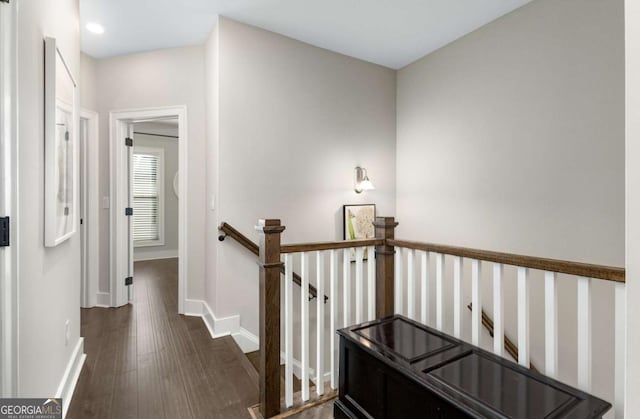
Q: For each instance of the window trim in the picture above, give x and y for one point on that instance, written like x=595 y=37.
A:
x=157 y=151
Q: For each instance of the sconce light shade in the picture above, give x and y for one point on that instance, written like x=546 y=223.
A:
x=361 y=181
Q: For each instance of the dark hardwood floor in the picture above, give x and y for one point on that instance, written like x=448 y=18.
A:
x=146 y=361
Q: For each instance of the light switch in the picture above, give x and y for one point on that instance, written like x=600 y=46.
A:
x=105 y=202
x=212 y=202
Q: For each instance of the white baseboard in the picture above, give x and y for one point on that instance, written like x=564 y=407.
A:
x=103 y=299
x=70 y=376
x=160 y=254
x=247 y=341
x=222 y=326
x=193 y=308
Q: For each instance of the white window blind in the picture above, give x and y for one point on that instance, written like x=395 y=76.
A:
x=146 y=197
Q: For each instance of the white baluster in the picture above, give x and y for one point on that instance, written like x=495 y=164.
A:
x=333 y=301
x=439 y=299
x=523 y=317
x=346 y=286
x=371 y=287
x=411 y=298
x=424 y=289
x=457 y=297
x=498 y=310
x=320 y=323
x=288 y=329
x=398 y=280
x=620 y=351
x=550 y=325
x=359 y=283
x=304 y=322
x=584 y=333
x=476 y=301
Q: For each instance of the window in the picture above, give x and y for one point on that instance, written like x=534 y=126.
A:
x=148 y=200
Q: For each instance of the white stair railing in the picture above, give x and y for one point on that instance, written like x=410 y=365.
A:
x=357 y=298
x=397 y=277
x=405 y=284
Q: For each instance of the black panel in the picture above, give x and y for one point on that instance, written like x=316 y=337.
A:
x=5 y=236
x=519 y=395
x=364 y=384
x=405 y=340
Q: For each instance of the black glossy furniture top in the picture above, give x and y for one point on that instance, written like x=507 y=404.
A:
x=478 y=383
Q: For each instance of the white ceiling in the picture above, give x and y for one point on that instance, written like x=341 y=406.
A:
x=392 y=33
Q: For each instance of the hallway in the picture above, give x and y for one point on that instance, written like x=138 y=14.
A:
x=146 y=361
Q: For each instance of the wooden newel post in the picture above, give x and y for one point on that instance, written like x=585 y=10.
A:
x=385 y=268
x=270 y=268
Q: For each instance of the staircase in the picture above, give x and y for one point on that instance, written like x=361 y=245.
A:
x=399 y=279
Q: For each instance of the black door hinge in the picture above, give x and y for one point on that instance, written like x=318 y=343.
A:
x=128 y=142
x=128 y=280
x=5 y=222
x=128 y=211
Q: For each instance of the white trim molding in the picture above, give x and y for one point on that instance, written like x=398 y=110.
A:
x=139 y=256
x=9 y=354
x=246 y=340
x=103 y=299
x=91 y=216
x=70 y=376
x=119 y=122
x=223 y=326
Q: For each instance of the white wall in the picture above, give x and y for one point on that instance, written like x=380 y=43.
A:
x=294 y=121
x=49 y=286
x=88 y=92
x=211 y=51
x=632 y=32
x=512 y=139
x=170 y=217
x=161 y=78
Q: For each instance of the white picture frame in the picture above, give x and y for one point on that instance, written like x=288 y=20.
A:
x=61 y=188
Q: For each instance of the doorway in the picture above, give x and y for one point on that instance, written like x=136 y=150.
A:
x=136 y=139
x=155 y=178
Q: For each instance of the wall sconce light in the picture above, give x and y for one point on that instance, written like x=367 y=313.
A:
x=361 y=181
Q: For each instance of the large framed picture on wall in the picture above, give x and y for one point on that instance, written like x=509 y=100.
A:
x=61 y=148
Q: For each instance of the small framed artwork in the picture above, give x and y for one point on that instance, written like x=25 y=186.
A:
x=358 y=223
x=61 y=148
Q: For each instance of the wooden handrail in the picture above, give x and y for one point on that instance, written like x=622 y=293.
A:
x=509 y=346
x=248 y=244
x=343 y=244
x=587 y=270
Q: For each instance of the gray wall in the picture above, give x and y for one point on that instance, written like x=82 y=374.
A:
x=294 y=121
x=49 y=286
x=88 y=92
x=170 y=147
x=512 y=139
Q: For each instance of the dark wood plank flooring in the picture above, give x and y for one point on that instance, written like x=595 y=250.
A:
x=146 y=361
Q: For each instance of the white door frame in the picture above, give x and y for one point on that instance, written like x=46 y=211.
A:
x=90 y=163
x=118 y=125
x=9 y=199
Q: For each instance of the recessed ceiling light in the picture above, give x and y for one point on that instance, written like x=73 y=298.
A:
x=94 y=27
